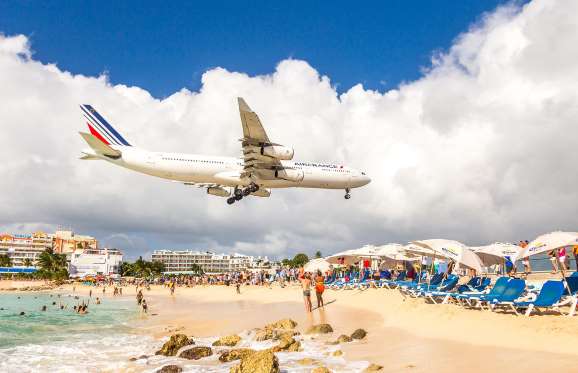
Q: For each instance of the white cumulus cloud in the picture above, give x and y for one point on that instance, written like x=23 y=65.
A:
x=481 y=148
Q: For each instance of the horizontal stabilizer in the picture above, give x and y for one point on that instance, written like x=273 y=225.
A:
x=89 y=157
x=100 y=147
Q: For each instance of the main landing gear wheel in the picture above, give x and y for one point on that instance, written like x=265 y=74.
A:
x=247 y=191
x=347 y=195
x=231 y=200
x=254 y=188
x=238 y=197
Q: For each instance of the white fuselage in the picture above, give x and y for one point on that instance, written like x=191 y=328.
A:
x=203 y=169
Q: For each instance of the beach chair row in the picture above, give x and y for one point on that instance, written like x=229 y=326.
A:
x=511 y=294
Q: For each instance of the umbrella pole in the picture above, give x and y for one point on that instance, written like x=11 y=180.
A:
x=431 y=272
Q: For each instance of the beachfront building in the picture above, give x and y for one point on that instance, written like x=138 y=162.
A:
x=183 y=260
x=24 y=249
x=68 y=242
x=96 y=262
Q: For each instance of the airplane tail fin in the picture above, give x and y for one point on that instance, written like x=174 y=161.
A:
x=100 y=128
x=98 y=147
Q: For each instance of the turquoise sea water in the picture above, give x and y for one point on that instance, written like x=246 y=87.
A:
x=55 y=324
x=60 y=340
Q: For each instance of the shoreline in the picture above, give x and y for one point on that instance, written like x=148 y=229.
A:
x=403 y=334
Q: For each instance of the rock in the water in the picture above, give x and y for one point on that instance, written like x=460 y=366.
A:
x=264 y=334
x=235 y=354
x=320 y=329
x=230 y=340
x=283 y=334
x=373 y=368
x=170 y=369
x=174 y=344
x=344 y=338
x=286 y=324
x=306 y=361
x=337 y=353
x=287 y=344
x=196 y=353
x=263 y=361
x=321 y=370
x=358 y=334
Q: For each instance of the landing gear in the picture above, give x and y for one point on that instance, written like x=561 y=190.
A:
x=238 y=193
x=347 y=195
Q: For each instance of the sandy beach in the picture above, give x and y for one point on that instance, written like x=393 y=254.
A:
x=404 y=334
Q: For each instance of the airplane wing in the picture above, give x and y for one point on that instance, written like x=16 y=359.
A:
x=254 y=138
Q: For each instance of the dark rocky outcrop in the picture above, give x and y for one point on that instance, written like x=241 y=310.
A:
x=196 y=353
x=285 y=324
x=263 y=361
x=170 y=369
x=359 y=334
x=373 y=368
x=287 y=344
x=320 y=329
x=235 y=354
x=174 y=344
x=230 y=341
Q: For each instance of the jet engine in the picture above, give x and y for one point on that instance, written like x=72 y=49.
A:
x=218 y=191
x=289 y=174
x=279 y=152
x=262 y=192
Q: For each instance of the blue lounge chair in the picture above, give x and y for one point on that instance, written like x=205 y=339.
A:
x=444 y=290
x=478 y=297
x=514 y=290
x=548 y=297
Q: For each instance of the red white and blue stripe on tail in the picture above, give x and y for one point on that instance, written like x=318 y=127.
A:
x=100 y=128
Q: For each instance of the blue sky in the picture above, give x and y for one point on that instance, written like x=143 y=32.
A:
x=165 y=46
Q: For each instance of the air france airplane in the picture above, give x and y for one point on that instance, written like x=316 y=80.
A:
x=264 y=165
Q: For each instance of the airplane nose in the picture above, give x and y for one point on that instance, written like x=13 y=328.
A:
x=365 y=180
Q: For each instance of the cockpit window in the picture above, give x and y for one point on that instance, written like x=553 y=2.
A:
x=363 y=173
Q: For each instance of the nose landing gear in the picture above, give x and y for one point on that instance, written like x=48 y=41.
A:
x=347 y=195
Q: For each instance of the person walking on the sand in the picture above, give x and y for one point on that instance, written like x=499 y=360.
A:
x=306 y=286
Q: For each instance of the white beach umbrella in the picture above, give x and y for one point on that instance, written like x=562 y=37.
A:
x=454 y=250
x=366 y=251
x=317 y=264
x=497 y=252
x=394 y=252
x=548 y=242
x=347 y=257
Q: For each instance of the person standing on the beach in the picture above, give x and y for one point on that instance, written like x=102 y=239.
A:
x=553 y=260
x=144 y=306
x=90 y=293
x=319 y=288
x=575 y=252
x=306 y=286
x=238 y=287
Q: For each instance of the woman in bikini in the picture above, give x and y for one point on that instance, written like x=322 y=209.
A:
x=306 y=286
x=319 y=288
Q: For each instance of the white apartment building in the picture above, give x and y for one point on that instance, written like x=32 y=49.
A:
x=182 y=260
x=24 y=249
x=102 y=262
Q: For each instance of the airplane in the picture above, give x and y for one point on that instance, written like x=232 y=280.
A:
x=265 y=165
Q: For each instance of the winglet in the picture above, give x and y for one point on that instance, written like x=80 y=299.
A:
x=243 y=105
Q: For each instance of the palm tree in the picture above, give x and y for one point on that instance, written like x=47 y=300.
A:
x=5 y=261
x=318 y=254
x=27 y=262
